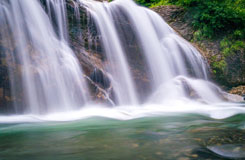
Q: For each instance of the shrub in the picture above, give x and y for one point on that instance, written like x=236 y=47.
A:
x=211 y=17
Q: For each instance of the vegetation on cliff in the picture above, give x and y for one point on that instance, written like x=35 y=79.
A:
x=222 y=22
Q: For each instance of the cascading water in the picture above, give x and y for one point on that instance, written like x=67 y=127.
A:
x=122 y=80
x=50 y=75
x=170 y=59
x=57 y=13
x=137 y=48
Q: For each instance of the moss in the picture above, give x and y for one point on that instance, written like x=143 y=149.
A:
x=232 y=44
x=160 y=3
x=198 y=36
x=218 y=68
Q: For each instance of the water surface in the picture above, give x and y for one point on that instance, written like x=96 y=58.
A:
x=181 y=136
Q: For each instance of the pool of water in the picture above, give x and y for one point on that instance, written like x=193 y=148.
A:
x=182 y=136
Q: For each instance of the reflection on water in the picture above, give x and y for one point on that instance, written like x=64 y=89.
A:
x=229 y=150
x=180 y=137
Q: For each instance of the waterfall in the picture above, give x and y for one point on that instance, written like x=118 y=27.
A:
x=123 y=85
x=176 y=69
x=44 y=66
x=57 y=13
x=46 y=74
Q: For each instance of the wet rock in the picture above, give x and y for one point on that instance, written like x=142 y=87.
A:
x=240 y=90
x=194 y=156
x=100 y=95
x=233 y=151
x=233 y=97
x=189 y=90
x=178 y=19
x=135 y=145
x=159 y=153
x=133 y=52
x=181 y=21
x=100 y=78
x=183 y=158
x=1 y=93
x=86 y=42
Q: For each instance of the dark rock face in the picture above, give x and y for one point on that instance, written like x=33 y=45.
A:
x=100 y=78
x=5 y=91
x=133 y=51
x=6 y=50
x=181 y=22
x=178 y=19
x=86 y=41
x=235 y=72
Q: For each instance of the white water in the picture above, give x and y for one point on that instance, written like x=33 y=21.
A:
x=57 y=13
x=221 y=111
x=170 y=59
x=122 y=79
x=52 y=79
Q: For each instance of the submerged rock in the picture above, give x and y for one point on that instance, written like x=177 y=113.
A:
x=229 y=150
x=233 y=97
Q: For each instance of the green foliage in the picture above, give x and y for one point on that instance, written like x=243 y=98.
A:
x=238 y=34
x=232 y=44
x=146 y=3
x=211 y=17
x=198 y=35
x=219 y=66
x=218 y=20
x=160 y=3
x=215 y=17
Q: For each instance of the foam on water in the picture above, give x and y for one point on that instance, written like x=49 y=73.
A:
x=216 y=111
x=52 y=80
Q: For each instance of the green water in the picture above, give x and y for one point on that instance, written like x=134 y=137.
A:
x=182 y=137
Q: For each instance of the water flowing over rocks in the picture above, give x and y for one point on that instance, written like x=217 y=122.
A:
x=181 y=21
x=40 y=63
x=121 y=63
x=92 y=52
